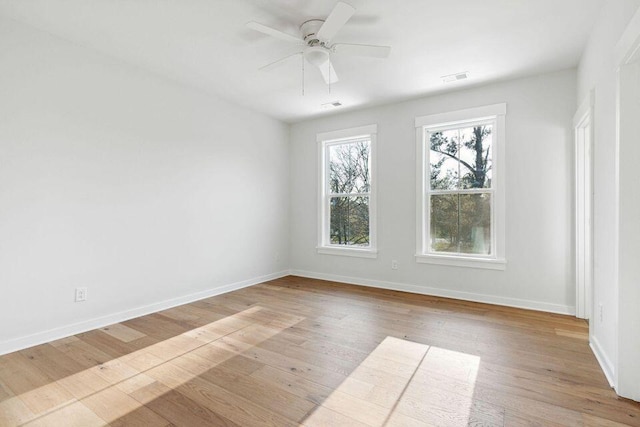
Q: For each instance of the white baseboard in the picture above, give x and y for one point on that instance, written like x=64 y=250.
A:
x=21 y=343
x=439 y=292
x=603 y=360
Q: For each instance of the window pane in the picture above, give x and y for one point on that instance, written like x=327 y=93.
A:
x=444 y=223
x=461 y=223
x=475 y=156
x=443 y=158
x=349 y=167
x=349 y=221
x=475 y=224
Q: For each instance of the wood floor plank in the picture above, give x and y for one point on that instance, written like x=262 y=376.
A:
x=85 y=354
x=74 y=415
x=48 y=359
x=134 y=384
x=14 y=412
x=323 y=417
x=593 y=421
x=358 y=409
x=45 y=398
x=301 y=387
x=182 y=411
x=396 y=419
x=113 y=346
x=217 y=399
x=84 y=383
x=261 y=392
x=122 y=332
x=276 y=360
x=581 y=335
x=115 y=406
x=19 y=375
x=142 y=360
x=5 y=392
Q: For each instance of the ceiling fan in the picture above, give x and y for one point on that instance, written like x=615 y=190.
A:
x=316 y=36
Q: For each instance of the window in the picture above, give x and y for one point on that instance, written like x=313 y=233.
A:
x=347 y=192
x=460 y=209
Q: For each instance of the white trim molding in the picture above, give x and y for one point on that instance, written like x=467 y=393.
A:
x=469 y=262
x=583 y=205
x=352 y=252
x=479 y=113
x=440 y=292
x=43 y=337
x=606 y=365
x=585 y=108
x=356 y=132
x=627 y=49
x=326 y=140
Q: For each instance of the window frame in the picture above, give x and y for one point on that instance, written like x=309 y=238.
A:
x=494 y=114
x=326 y=140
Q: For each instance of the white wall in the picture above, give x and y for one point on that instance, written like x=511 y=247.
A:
x=135 y=187
x=597 y=72
x=628 y=378
x=539 y=197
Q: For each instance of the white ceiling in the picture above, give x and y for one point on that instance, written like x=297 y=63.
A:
x=205 y=44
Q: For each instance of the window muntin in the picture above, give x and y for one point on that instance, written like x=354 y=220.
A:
x=459 y=190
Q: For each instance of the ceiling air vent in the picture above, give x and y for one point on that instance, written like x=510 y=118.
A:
x=455 y=77
x=330 y=105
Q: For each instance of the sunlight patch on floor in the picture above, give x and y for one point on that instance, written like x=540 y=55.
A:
x=403 y=383
x=109 y=391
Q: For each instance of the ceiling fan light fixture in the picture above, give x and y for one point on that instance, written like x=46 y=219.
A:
x=316 y=55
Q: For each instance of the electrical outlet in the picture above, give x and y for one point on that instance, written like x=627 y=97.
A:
x=601 y=312
x=81 y=294
x=394 y=265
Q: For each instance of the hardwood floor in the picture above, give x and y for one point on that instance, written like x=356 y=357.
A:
x=299 y=351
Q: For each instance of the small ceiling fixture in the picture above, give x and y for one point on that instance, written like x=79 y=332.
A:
x=455 y=77
x=330 y=105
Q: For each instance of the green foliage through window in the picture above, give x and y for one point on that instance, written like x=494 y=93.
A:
x=460 y=196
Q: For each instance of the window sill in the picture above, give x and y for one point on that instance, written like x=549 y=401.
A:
x=459 y=261
x=354 y=252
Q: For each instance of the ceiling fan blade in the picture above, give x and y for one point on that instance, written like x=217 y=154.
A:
x=328 y=73
x=274 y=63
x=336 y=20
x=264 y=29
x=361 y=50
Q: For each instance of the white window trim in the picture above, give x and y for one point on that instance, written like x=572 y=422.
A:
x=324 y=247
x=496 y=261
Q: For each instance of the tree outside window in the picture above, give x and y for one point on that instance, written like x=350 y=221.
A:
x=349 y=191
x=460 y=189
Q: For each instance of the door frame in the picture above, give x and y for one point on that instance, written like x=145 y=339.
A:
x=583 y=170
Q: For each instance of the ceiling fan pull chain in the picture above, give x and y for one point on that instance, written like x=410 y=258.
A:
x=302 y=56
x=329 y=65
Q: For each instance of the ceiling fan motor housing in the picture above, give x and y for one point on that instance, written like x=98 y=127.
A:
x=309 y=29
